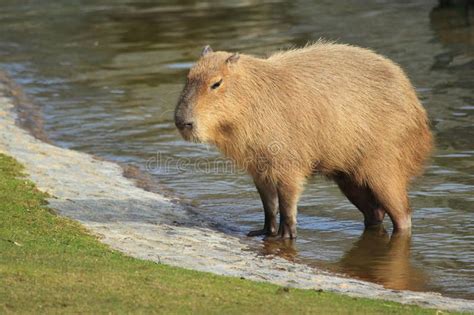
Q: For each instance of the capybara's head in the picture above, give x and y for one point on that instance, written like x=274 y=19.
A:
x=207 y=104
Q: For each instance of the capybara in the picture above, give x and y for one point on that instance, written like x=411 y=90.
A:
x=338 y=110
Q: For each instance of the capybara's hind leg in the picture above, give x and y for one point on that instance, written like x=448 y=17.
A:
x=363 y=198
x=392 y=195
x=268 y=194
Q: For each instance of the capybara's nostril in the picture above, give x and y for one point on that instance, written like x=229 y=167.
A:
x=182 y=124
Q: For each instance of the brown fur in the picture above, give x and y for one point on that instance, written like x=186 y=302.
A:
x=338 y=110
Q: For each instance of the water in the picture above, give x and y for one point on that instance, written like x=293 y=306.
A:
x=107 y=78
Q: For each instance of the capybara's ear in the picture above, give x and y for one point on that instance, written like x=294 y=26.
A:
x=233 y=58
x=206 y=50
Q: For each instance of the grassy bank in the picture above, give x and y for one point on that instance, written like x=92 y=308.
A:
x=51 y=264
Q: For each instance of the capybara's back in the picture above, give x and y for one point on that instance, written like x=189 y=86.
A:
x=338 y=110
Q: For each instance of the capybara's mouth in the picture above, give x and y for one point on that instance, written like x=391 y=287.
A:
x=189 y=135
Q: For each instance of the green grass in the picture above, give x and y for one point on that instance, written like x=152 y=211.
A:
x=50 y=264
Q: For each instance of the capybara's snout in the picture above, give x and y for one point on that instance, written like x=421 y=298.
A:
x=182 y=123
x=182 y=117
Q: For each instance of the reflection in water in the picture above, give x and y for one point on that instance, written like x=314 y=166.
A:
x=281 y=248
x=374 y=257
x=383 y=259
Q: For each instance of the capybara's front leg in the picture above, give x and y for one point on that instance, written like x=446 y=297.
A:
x=288 y=195
x=268 y=194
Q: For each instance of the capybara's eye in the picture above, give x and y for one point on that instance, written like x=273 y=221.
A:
x=216 y=85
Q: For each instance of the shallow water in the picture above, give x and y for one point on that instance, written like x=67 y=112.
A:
x=107 y=79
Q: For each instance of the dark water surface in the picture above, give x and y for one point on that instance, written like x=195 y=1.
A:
x=107 y=78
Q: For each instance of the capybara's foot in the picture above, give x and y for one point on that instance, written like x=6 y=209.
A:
x=287 y=228
x=279 y=237
x=257 y=232
x=402 y=224
x=285 y=232
x=377 y=227
x=272 y=238
x=372 y=224
x=265 y=231
x=402 y=229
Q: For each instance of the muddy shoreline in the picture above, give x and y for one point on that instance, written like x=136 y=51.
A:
x=114 y=203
